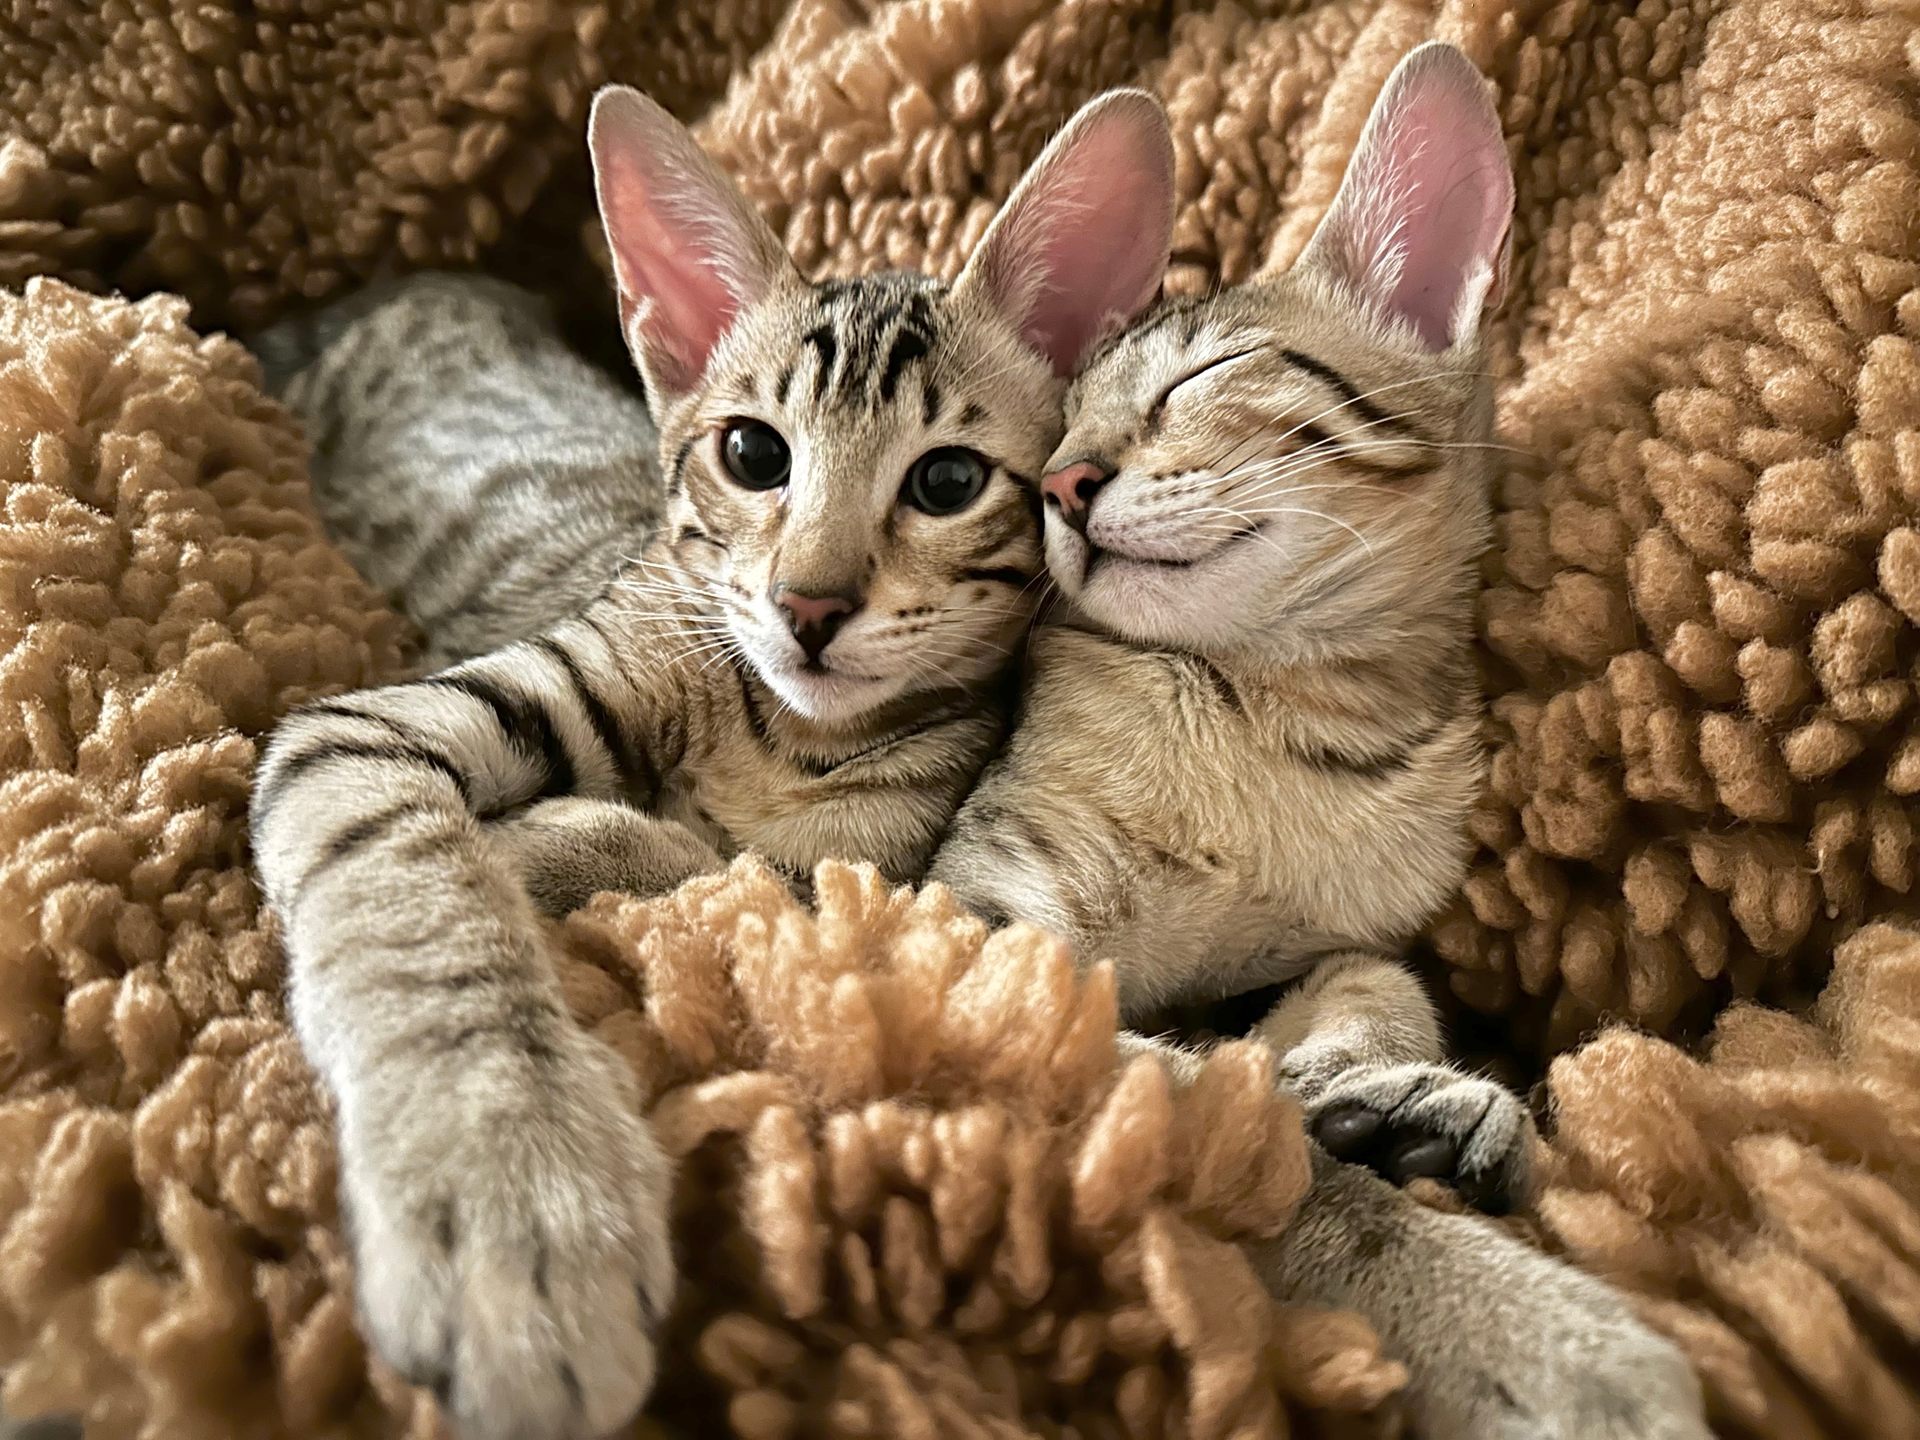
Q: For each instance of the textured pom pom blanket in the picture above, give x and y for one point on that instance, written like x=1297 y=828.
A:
x=917 y=1197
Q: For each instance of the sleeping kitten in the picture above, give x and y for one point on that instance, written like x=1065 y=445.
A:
x=1247 y=753
x=1249 y=747
x=807 y=660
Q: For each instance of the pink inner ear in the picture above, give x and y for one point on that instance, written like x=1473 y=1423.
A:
x=1434 y=190
x=1099 y=258
x=1088 y=245
x=670 y=282
x=1455 y=219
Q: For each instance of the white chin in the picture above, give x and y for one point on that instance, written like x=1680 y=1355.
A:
x=827 y=695
x=1155 y=605
x=1066 y=556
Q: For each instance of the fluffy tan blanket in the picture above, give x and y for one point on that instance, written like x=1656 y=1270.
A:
x=916 y=1200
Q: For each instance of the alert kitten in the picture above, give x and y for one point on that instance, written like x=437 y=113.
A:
x=808 y=660
x=1247 y=752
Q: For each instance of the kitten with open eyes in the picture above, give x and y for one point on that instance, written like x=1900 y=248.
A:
x=808 y=659
x=1248 y=748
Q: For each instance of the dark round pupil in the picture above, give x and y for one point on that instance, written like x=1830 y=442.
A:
x=756 y=455
x=948 y=481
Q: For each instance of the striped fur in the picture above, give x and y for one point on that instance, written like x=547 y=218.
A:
x=1248 y=747
x=1249 y=744
x=1249 y=759
x=1250 y=738
x=451 y=426
x=407 y=835
x=630 y=709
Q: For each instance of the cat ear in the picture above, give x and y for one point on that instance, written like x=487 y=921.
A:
x=689 y=252
x=1420 y=228
x=1080 y=247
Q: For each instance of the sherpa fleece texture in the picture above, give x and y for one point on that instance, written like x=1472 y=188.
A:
x=917 y=1200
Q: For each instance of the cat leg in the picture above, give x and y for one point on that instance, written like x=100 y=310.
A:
x=566 y=851
x=506 y=1202
x=1500 y=1341
x=1360 y=1045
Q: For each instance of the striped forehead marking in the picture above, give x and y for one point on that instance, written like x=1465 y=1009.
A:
x=867 y=336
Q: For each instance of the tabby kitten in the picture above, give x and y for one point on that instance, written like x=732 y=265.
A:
x=1247 y=753
x=807 y=660
x=1248 y=750
x=468 y=462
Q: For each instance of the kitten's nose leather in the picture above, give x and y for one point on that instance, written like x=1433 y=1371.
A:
x=1071 y=489
x=814 y=619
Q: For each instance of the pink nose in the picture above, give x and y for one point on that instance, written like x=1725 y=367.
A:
x=813 y=609
x=1072 y=488
x=814 y=619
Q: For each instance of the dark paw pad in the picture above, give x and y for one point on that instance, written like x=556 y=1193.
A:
x=1398 y=1153
x=1427 y=1122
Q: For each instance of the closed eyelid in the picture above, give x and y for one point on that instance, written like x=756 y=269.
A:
x=1153 y=413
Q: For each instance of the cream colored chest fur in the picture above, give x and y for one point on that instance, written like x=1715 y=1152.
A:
x=1206 y=830
x=746 y=781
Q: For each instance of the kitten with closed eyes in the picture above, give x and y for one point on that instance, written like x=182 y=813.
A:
x=1502 y=1342
x=1249 y=744
x=810 y=658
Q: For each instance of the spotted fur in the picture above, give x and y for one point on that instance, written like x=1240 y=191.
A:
x=450 y=423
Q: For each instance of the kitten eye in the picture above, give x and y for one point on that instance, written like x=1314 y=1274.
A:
x=1160 y=405
x=943 y=481
x=755 y=454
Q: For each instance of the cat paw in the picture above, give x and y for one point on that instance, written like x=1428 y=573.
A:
x=1408 y=1121
x=567 y=850
x=1575 y=1365
x=518 y=1263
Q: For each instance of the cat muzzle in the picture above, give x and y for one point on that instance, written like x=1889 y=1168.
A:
x=1070 y=490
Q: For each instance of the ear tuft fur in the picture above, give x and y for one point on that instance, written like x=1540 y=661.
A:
x=689 y=252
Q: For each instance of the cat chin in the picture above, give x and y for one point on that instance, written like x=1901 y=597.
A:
x=829 y=698
x=1143 y=600
x=1146 y=607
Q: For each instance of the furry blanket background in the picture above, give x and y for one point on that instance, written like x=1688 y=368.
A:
x=917 y=1200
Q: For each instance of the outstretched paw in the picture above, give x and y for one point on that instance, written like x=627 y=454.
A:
x=1405 y=1122
x=518 y=1263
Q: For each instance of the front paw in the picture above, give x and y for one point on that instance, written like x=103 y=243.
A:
x=517 y=1262
x=567 y=850
x=1408 y=1121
